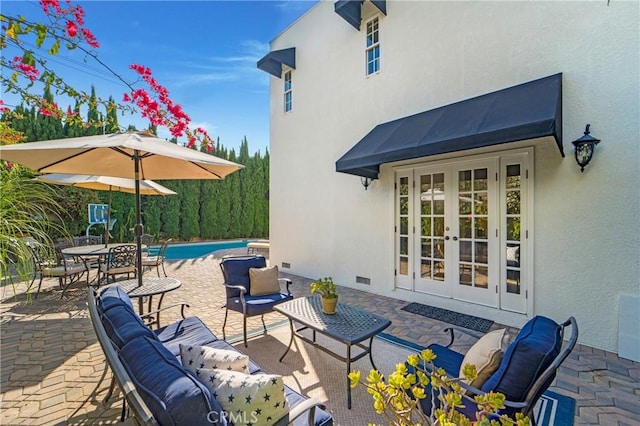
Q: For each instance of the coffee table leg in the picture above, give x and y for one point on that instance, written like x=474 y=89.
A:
x=371 y=353
x=348 y=382
x=290 y=340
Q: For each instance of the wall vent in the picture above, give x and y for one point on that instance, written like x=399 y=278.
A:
x=286 y=265
x=363 y=280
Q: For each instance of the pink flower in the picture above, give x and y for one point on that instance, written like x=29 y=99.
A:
x=90 y=38
x=72 y=29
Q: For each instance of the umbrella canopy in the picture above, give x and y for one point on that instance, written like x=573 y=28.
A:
x=135 y=155
x=106 y=183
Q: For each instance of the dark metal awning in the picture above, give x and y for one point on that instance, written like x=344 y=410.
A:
x=527 y=111
x=351 y=10
x=272 y=61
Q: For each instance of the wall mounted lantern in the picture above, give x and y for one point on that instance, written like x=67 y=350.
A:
x=585 y=146
x=366 y=182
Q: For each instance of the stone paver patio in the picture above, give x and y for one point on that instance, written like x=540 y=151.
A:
x=50 y=362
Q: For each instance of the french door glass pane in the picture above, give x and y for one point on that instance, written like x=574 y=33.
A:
x=404 y=265
x=481 y=276
x=425 y=270
x=513 y=210
x=404 y=245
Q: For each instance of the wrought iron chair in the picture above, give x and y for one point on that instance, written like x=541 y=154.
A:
x=120 y=260
x=147 y=241
x=526 y=370
x=87 y=240
x=237 y=282
x=157 y=260
x=51 y=263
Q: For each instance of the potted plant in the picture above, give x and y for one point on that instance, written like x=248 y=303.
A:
x=327 y=290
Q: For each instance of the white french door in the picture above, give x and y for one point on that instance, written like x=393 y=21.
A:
x=458 y=231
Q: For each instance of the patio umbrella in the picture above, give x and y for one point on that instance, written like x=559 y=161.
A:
x=135 y=155
x=106 y=183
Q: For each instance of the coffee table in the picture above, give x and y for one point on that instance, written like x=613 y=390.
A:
x=349 y=325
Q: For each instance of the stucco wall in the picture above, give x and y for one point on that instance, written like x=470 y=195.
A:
x=586 y=226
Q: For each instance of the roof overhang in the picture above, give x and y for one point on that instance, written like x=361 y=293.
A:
x=272 y=62
x=526 y=111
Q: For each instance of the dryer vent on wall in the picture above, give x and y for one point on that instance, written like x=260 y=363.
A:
x=363 y=280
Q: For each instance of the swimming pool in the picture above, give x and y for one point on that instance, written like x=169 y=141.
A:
x=194 y=250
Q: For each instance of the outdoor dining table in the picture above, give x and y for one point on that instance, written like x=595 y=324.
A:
x=150 y=287
x=90 y=252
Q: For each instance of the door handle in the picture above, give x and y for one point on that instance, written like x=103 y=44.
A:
x=446 y=238
x=455 y=238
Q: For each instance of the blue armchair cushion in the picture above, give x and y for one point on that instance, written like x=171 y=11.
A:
x=258 y=305
x=123 y=325
x=172 y=393
x=532 y=351
x=113 y=296
x=236 y=272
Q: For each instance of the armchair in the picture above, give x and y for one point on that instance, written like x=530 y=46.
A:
x=237 y=282
x=526 y=370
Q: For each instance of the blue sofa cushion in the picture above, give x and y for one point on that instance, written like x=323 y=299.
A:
x=236 y=272
x=123 y=325
x=113 y=296
x=189 y=331
x=172 y=393
x=531 y=352
x=258 y=305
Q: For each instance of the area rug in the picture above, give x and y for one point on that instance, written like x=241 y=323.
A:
x=462 y=320
x=312 y=372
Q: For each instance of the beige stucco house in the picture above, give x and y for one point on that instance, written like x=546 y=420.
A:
x=423 y=151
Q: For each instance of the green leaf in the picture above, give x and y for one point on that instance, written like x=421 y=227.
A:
x=42 y=34
x=55 y=48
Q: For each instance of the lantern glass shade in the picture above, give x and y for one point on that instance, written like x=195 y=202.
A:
x=584 y=154
x=585 y=147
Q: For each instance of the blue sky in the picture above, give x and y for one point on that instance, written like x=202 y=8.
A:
x=203 y=52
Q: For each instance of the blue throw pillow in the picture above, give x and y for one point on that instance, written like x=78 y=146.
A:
x=531 y=352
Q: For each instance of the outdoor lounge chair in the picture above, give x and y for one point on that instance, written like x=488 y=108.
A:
x=157 y=260
x=526 y=369
x=238 y=285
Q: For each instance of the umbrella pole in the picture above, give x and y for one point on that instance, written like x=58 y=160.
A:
x=138 y=227
x=106 y=229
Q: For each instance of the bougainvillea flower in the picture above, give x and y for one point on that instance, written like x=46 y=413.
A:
x=72 y=29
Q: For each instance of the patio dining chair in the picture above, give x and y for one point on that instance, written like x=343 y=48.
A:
x=51 y=263
x=120 y=260
x=252 y=288
x=521 y=370
x=157 y=260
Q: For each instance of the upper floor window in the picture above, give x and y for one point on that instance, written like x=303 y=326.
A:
x=373 y=47
x=287 y=91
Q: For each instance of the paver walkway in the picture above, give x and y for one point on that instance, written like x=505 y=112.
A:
x=50 y=362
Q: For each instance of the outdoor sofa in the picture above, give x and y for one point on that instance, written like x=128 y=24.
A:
x=146 y=365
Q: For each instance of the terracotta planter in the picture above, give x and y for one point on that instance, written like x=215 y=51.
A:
x=329 y=305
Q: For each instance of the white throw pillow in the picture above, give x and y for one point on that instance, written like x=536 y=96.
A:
x=256 y=399
x=486 y=355
x=264 y=281
x=197 y=357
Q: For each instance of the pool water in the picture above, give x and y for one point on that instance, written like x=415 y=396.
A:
x=195 y=250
